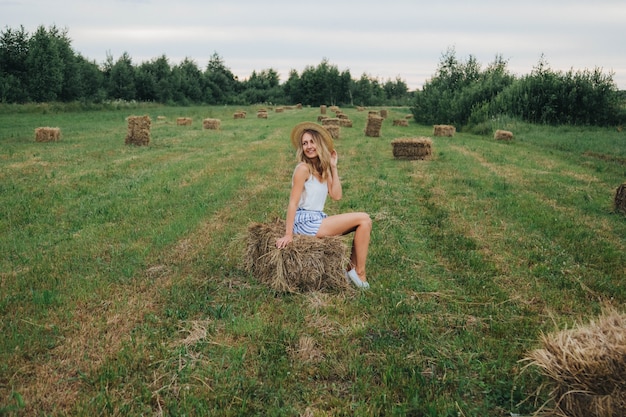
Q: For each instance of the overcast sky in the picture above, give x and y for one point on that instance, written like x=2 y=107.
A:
x=384 y=39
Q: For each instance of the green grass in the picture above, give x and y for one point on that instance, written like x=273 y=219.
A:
x=122 y=289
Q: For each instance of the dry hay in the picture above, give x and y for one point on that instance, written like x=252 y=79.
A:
x=308 y=263
x=334 y=109
x=321 y=118
x=323 y=109
x=239 y=115
x=586 y=367
x=213 y=124
x=299 y=106
x=408 y=116
x=374 y=125
x=47 y=134
x=503 y=135
x=412 y=148
x=384 y=114
x=279 y=109
x=341 y=115
x=444 y=130
x=620 y=198
x=184 y=121
x=373 y=113
x=334 y=131
x=261 y=114
x=400 y=122
x=138 y=132
x=345 y=122
x=331 y=121
x=360 y=108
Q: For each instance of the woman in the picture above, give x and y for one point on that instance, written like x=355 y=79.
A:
x=314 y=178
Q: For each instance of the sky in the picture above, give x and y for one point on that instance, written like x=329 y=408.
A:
x=383 y=39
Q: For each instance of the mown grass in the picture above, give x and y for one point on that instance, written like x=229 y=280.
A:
x=123 y=292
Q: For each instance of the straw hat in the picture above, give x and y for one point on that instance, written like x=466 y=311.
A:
x=298 y=130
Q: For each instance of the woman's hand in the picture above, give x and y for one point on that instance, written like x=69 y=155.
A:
x=333 y=158
x=284 y=241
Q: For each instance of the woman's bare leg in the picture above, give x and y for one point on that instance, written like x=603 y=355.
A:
x=359 y=223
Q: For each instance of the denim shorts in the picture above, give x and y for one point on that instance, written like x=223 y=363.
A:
x=308 y=222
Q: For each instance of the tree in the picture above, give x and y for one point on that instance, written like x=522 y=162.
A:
x=121 y=83
x=221 y=83
x=13 y=71
x=45 y=67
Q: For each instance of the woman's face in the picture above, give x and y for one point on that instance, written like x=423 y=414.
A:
x=308 y=145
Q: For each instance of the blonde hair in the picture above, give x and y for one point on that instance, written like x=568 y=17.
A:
x=321 y=165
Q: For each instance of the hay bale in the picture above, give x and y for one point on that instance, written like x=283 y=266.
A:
x=331 y=121
x=279 y=109
x=408 y=116
x=620 y=198
x=184 y=121
x=47 y=134
x=261 y=114
x=345 y=122
x=138 y=132
x=323 y=109
x=334 y=131
x=321 y=118
x=384 y=113
x=400 y=122
x=374 y=125
x=444 y=130
x=412 y=148
x=239 y=115
x=503 y=135
x=586 y=367
x=308 y=263
x=360 y=108
x=213 y=124
x=373 y=113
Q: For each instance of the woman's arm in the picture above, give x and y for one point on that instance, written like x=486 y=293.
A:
x=334 y=183
x=300 y=175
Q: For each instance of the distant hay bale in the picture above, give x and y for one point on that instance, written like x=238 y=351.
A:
x=138 y=132
x=412 y=148
x=184 y=121
x=299 y=106
x=384 y=113
x=373 y=113
x=374 y=125
x=261 y=114
x=323 y=109
x=360 y=108
x=334 y=109
x=345 y=122
x=321 y=118
x=586 y=367
x=279 y=109
x=503 y=135
x=331 y=121
x=620 y=198
x=341 y=115
x=47 y=134
x=308 y=263
x=408 y=116
x=444 y=130
x=334 y=131
x=212 y=124
x=239 y=115
x=400 y=122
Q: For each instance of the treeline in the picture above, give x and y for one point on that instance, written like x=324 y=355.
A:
x=464 y=94
x=43 y=67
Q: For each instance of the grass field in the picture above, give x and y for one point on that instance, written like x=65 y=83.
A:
x=122 y=288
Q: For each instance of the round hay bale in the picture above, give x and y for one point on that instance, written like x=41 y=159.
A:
x=374 y=125
x=620 y=198
x=412 y=148
x=308 y=263
x=212 y=124
x=138 y=132
x=503 y=135
x=47 y=134
x=586 y=367
x=444 y=130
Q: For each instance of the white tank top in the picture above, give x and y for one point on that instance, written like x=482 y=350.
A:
x=314 y=194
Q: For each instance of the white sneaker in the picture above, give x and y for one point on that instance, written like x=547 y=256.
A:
x=354 y=277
